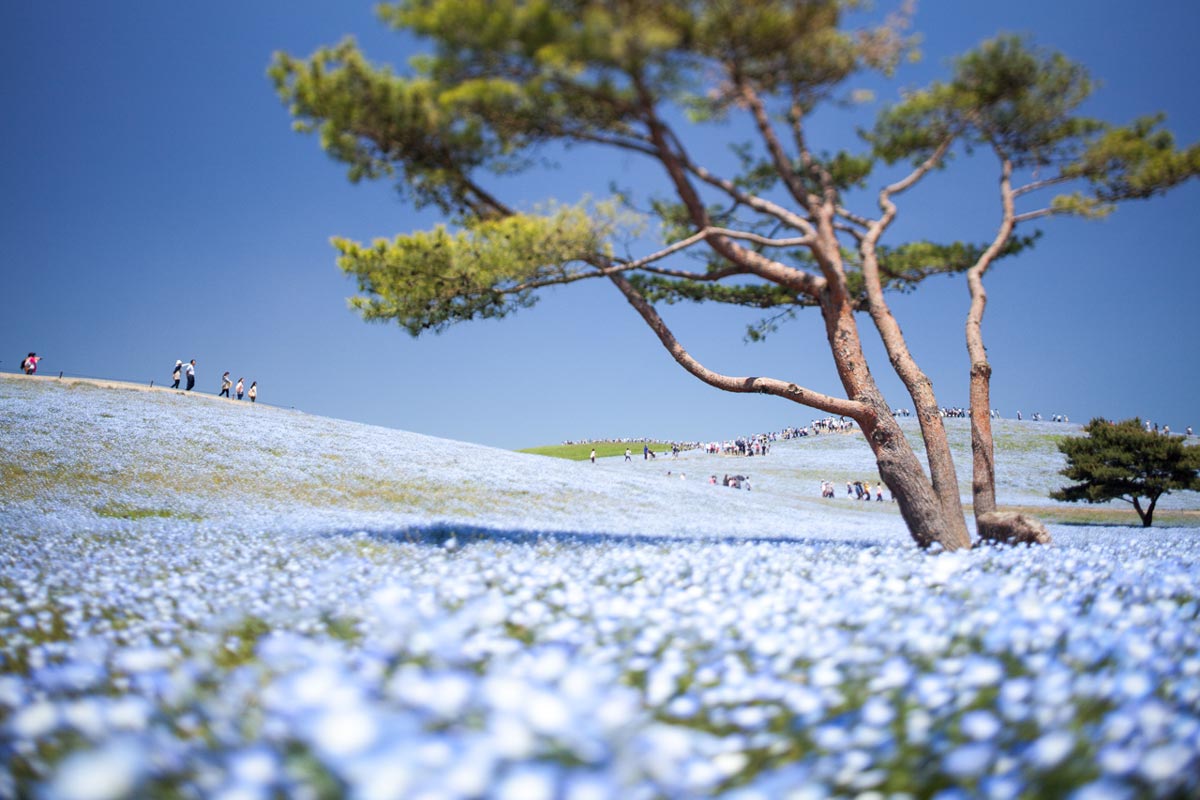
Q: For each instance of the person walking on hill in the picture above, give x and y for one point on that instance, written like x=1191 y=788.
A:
x=29 y=365
x=191 y=374
x=176 y=373
x=226 y=385
x=628 y=455
x=241 y=388
x=253 y=394
x=593 y=455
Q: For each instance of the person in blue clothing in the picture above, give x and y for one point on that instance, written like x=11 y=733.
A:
x=191 y=374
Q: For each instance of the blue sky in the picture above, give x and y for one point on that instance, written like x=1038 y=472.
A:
x=157 y=205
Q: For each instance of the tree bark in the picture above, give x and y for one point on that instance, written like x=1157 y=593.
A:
x=920 y=388
x=1147 y=515
x=927 y=518
x=983 y=465
x=983 y=468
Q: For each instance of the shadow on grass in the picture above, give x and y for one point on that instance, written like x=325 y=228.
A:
x=440 y=535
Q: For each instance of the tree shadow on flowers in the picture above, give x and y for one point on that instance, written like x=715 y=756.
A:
x=457 y=537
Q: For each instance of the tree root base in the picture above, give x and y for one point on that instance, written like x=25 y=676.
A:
x=1011 y=527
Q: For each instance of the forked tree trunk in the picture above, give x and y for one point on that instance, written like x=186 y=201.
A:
x=1147 y=514
x=897 y=463
x=920 y=388
x=933 y=431
x=926 y=516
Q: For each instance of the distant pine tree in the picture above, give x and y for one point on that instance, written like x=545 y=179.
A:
x=1124 y=461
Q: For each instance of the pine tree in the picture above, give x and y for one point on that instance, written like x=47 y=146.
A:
x=1124 y=461
x=783 y=225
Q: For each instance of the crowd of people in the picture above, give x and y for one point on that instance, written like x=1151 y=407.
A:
x=962 y=413
x=859 y=490
x=188 y=371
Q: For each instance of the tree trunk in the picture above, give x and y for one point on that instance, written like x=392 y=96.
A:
x=933 y=431
x=927 y=519
x=920 y=388
x=983 y=481
x=983 y=463
x=1147 y=515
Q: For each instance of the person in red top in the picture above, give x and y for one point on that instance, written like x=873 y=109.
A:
x=30 y=363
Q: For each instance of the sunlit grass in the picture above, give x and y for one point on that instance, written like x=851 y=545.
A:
x=582 y=452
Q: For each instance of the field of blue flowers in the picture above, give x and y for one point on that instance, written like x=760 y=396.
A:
x=201 y=598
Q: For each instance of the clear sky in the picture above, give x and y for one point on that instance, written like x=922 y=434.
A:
x=157 y=205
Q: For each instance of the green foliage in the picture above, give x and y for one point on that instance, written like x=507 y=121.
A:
x=1135 y=162
x=1124 y=461
x=429 y=279
x=1004 y=95
x=504 y=84
x=1022 y=102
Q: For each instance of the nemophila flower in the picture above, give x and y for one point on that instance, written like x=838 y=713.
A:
x=980 y=725
x=110 y=772
x=259 y=648
x=1051 y=749
x=534 y=782
x=35 y=721
x=1103 y=790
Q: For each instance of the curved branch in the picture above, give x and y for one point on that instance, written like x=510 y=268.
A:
x=975 y=274
x=790 y=391
x=687 y=275
x=983 y=482
x=778 y=156
x=806 y=158
x=634 y=145
x=1032 y=215
x=749 y=200
x=675 y=247
x=850 y=216
x=907 y=182
x=854 y=232
x=920 y=388
x=1036 y=185
x=795 y=279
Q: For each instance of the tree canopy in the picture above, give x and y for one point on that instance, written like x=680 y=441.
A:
x=1124 y=461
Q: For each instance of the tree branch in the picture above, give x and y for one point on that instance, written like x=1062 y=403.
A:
x=919 y=172
x=1036 y=185
x=1032 y=215
x=778 y=156
x=751 y=201
x=768 y=269
x=772 y=386
x=1008 y=221
x=645 y=262
x=806 y=159
x=850 y=216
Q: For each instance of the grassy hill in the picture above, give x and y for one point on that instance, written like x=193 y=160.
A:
x=200 y=597
x=583 y=452
x=115 y=450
